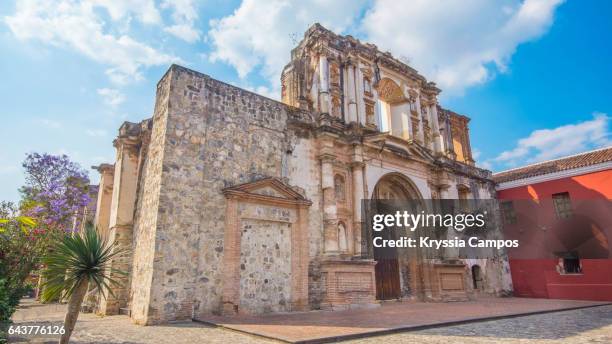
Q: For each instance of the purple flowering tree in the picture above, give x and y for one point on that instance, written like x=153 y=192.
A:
x=56 y=189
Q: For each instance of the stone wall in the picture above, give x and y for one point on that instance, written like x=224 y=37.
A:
x=304 y=170
x=146 y=217
x=265 y=267
x=207 y=135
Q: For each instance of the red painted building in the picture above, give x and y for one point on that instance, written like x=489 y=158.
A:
x=561 y=213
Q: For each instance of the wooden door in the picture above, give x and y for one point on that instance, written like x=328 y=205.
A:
x=387 y=279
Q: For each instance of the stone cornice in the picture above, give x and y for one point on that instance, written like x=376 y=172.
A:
x=105 y=168
x=326 y=157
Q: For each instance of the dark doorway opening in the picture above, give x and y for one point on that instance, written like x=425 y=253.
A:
x=477 y=277
x=388 y=191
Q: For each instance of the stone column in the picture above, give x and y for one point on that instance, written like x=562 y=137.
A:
x=420 y=130
x=323 y=84
x=105 y=195
x=449 y=253
x=358 y=192
x=352 y=101
x=121 y=222
x=330 y=218
x=450 y=150
x=438 y=140
x=361 y=113
x=468 y=147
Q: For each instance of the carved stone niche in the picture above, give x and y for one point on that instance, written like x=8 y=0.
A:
x=265 y=248
x=336 y=106
x=370 y=113
x=415 y=126
x=334 y=73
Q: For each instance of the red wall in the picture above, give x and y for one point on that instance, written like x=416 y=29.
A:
x=596 y=185
x=537 y=277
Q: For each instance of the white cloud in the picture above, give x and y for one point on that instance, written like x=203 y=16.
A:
x=76 y=25
x=184 y=31
x=476 y=153
x=258 y=33
x=111 y=96
x=486 y=165
x=96 y=132
x=546 y=144
x=184 y=14
x=453 y=42
x=456 y=42
x=144 y=10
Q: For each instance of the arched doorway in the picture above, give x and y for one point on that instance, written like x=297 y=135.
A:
x=390 y=188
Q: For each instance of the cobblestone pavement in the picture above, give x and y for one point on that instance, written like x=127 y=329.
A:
x=119 y=329
x=590 y=325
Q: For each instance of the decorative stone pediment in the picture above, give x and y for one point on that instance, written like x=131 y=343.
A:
x=268 y=189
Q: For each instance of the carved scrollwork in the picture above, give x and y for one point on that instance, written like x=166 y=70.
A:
x=390 y=92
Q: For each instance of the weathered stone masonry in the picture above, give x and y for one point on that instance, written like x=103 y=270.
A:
x=235 y=203
x=198 y=147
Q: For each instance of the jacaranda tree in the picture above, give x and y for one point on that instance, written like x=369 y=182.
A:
x=55 y=190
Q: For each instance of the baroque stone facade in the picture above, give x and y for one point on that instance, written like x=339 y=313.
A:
x=230 y=202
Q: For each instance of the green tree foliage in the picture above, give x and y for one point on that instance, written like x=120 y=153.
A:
x=20 y=250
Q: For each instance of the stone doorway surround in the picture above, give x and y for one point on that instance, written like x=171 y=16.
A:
x=269 y=200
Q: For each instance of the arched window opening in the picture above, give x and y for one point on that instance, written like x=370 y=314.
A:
x=393 y=108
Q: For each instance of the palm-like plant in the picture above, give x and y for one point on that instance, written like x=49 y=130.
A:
x=72 y=265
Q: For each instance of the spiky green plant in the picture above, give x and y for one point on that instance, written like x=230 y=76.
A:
x=74 y=263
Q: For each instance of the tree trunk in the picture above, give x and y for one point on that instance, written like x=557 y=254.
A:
x=74 y=306
x=39 y=286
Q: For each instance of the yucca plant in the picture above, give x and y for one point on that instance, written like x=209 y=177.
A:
x=74 y=263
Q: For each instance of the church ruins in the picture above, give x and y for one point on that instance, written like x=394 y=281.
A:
x=230 y=202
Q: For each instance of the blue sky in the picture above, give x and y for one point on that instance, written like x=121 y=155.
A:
x=533 y=75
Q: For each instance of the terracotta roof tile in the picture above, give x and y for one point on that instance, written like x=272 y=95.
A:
x=571 y=162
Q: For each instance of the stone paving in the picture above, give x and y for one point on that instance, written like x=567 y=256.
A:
x=119 y=329
x=587 y=325
x=391 y=316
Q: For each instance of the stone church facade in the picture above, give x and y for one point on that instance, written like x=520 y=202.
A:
x=231 y=203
